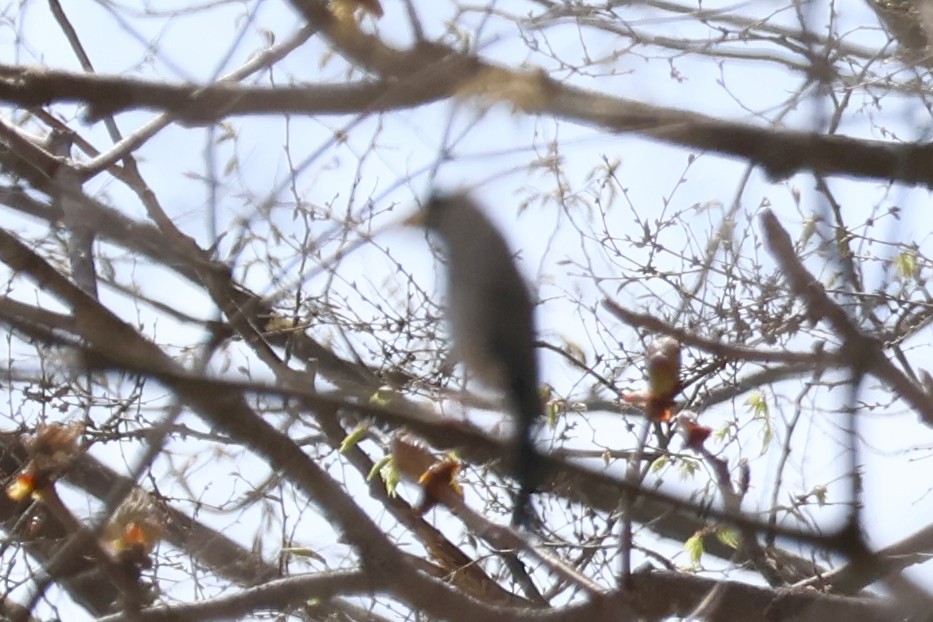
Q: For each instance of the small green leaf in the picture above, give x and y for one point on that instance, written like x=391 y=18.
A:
x=728 y=536
x=767 y=434
x=383 y=396
x=757 y=404
x=355 y=436
x=303 y=551
x=575 y=351
x=377 y=467
x=659 y=463
x=552 y=413
x=390 y=476
x=809 y=228
x=820 y=493
x=688 y=468
x=722 y=433
x=388 y=473
x=906 y=265
x=694 y=547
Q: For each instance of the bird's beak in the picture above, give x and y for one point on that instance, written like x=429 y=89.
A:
x=415 y=220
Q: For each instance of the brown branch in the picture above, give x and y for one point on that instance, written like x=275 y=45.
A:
x=208 y=546
x=180 y=254
x=728 y=351
x=195 y=104
x=665 y=594
x=753 y=380
x=279 y=595
x=453 y=564
x=112 y=342
x=429 y=72
x=780 y=153
x=851 y=578
x=42 y=536
x=591 y=488
x=666 y=515
x=864 y=352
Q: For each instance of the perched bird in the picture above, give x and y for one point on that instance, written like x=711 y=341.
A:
x=491 y=317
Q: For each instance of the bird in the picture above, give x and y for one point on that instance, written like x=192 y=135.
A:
x=490 y=312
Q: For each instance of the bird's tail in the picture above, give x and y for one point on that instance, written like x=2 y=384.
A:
x=526 y=463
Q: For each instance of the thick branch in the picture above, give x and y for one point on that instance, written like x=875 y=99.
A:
x=430 y=72
x=111 y=341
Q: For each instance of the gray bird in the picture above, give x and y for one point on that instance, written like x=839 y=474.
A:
x=491 y=317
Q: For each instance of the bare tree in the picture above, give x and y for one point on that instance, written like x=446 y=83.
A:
x=229 y=389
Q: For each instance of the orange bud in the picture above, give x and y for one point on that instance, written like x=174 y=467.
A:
x=134 y=534
x=438 y=481
x=660 y=409
x=21 y=487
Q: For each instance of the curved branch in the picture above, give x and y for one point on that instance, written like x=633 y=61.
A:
x=429 y=72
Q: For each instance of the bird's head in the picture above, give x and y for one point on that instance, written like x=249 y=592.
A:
x=442 y=213
x=469 y=238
